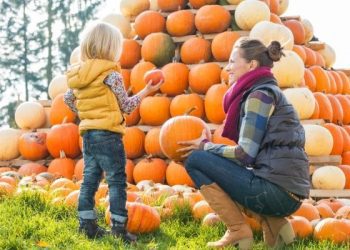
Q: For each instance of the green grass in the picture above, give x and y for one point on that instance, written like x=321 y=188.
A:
x=29 y=221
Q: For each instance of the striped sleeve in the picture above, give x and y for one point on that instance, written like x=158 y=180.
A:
x=258 y=109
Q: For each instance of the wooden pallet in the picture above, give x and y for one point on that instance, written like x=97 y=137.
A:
x=320 y=193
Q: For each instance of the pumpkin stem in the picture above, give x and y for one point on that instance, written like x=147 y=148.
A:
x=64 y=120
x=62 y=154
x=190 y=110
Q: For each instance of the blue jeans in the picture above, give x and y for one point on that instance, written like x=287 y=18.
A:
x=103 y=151
x=241 y=184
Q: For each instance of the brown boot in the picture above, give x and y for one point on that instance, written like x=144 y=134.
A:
x=238 y=232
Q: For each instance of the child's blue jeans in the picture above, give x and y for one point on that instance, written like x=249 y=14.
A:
x=103 y=151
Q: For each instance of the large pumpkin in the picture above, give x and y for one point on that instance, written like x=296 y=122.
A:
x=155 y=110
x=328 y=55
x=325 y=106
x=58 y=85
x=180 y=128
x=222 y=45
x=9 y=138
x=150 y=169
x=32 y=146
x=267 y=32
x=302 y=100
x=149 y=22
x=338 y=140
x=60 y=111
x=203 y=76
x=131 y=53
x=213 y=103
x=176 y=174
x=175 y=79
x=180 y=23
x=158 y=48
x=62 y=166
x=30 y=115
x=332 y=229
x=212 y=19
x=118 y=21
x=201 y=54
x=328 y=177
x=318 y=140
x=251 y=12
x=131 y=8
x=297 y=29
x=63 y=137
x=289 y=71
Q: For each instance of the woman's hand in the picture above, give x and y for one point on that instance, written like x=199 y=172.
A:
x=192 y=144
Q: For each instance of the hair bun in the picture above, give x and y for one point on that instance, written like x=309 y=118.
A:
x=274 y=51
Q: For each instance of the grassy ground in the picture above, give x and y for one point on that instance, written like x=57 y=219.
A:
x=30 y=222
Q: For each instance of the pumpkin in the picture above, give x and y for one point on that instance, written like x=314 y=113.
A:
x=60 y=111
x=213 y=100
x=322 y=79
x=149 y=22
x=158 y=48
x=300 y=51
x=150 y=169
x=118 y=21
x=316 y=113
x=328 y=177
x=203 y=76
x=309 y=30
x=318 y=140
x=131 y=54
x=320 y=60
x=176 y=174
x=72 y=198
x=346 y=171
x=142 y=218
x=133 y=118
x=129 y=170
x=346 y=139
x=325 y=210
x=222 y=45
x=131 y=8
x=197 y=4
x=62 y=166
x=175 y=79
x=346 y=82
x=267 y=32
x=6 y=189
x=201 y=54
x=219 y=139
x=126 y=78
x=343 y=212
x=137 y=81
x=302 y=100
x=29 y=169
x=275 y=19
x=152 y=146
x=307 y=211
x=346 y=157
x=328 y=55
x=8 y=179
x=30 y=115
x=32 y=146
x=180 y=104
x=79 y=170
x=134 y=140
x=201 y=209
x=171 y=5
x=58 y=85
x=301 y=226
x=74 y=58
x=250 y=12
x=155 y=110
x=334 y=204
x=310 y=59
x=180 y=23
x=338 y=114
x=63 y=183
x=325 y=106
x=335 y=230
x=338 y=141
x=180 y=128
x=297 y=29
x=310 y=80
x=338 y=81
x=282 y=7
x=212 y=19
x=211 y=219
x=332 y=84
x=289 y=71
x=9 y=146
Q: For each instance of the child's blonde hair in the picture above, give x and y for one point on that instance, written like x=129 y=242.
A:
x=101 y=40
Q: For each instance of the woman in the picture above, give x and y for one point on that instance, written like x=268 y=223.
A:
x=266 y=173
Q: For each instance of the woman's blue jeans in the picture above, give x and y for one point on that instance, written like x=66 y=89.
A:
x=103 y=151
x=241 y=184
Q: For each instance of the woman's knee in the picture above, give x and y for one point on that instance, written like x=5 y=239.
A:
x=194 y=159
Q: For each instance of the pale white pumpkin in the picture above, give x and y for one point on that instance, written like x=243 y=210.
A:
x=30 y=115
x=119 y=21
x=9 y=138
x=267 y=32
x=328 y=55
x=318 y=140
x=153 y=5
x=75 y=56
x=131 y=8
x=58 y=85
x=289 y=70
x=328 y=177
x=282 y=7
x=309 y=29
x=250 y=12
x=302 y=100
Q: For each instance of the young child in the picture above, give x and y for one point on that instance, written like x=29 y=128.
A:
x=96 y=92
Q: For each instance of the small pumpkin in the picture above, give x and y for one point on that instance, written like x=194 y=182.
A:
x=32 y=146
x=62 y=166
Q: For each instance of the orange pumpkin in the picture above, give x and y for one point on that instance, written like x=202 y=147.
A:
x=203 y=76
x=152 y=146
x=338 y=140
x=134 y=140
x=338 y=114
x=176 y=174
x=325 y=106
x=334 y=204
x=335 y=230
x=126 y=78
x=6 y=189
x=149 y=22
x=131 y=54
x=201 y=209
x=325 y=210
x=154 y=75
x=171 y=5
x=129 y=170
x=222 y=45
x=133 y=118
x=333 y=85
x=142 y=218
x=155 y=110
x=346 y=139
x=338 y=81
x=300 y=51
x=310 y=57
x=180 y=104
x=320 y=60
x=180 y=23
x=197 y=4
x=32 y=146
x=202 y=53
x=79 y=170
x=175 y=79
x=316 y=113
x=219 y=139
x=301 y=226
x=346 y=171
x=343 y=213
x=322 y=79
x=29 y=169
x=137 y=81
x=275 y=18
x=212 y=19
x=150 y=169
x=60 y=111
x=213 y=100
x=346 y=82
x=297 y=29
x=62 y=166
x=308 y=211
x=310 y=80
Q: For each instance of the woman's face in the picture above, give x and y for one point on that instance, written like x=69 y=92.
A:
x=237 y=66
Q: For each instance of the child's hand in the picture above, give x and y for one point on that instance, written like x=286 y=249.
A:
x=152 y=88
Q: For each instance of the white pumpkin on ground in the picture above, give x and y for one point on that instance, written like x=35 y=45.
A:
x=302 y=100
x=318 y=140
x=309 y=29
x=119 y=21
x=9 y=138
x=328 y=177
x=58 y=85
x=267 y=32
x=131 y=8
x=289 y=70
x=250 y=12
x=30 y=115
x=328 y=55
x=75 y=56
x=282 y=7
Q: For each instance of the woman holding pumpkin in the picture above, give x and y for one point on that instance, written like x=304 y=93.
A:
x=266 y=173
x=96 y=92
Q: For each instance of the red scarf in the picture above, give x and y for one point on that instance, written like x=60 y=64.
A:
x=233 y=98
